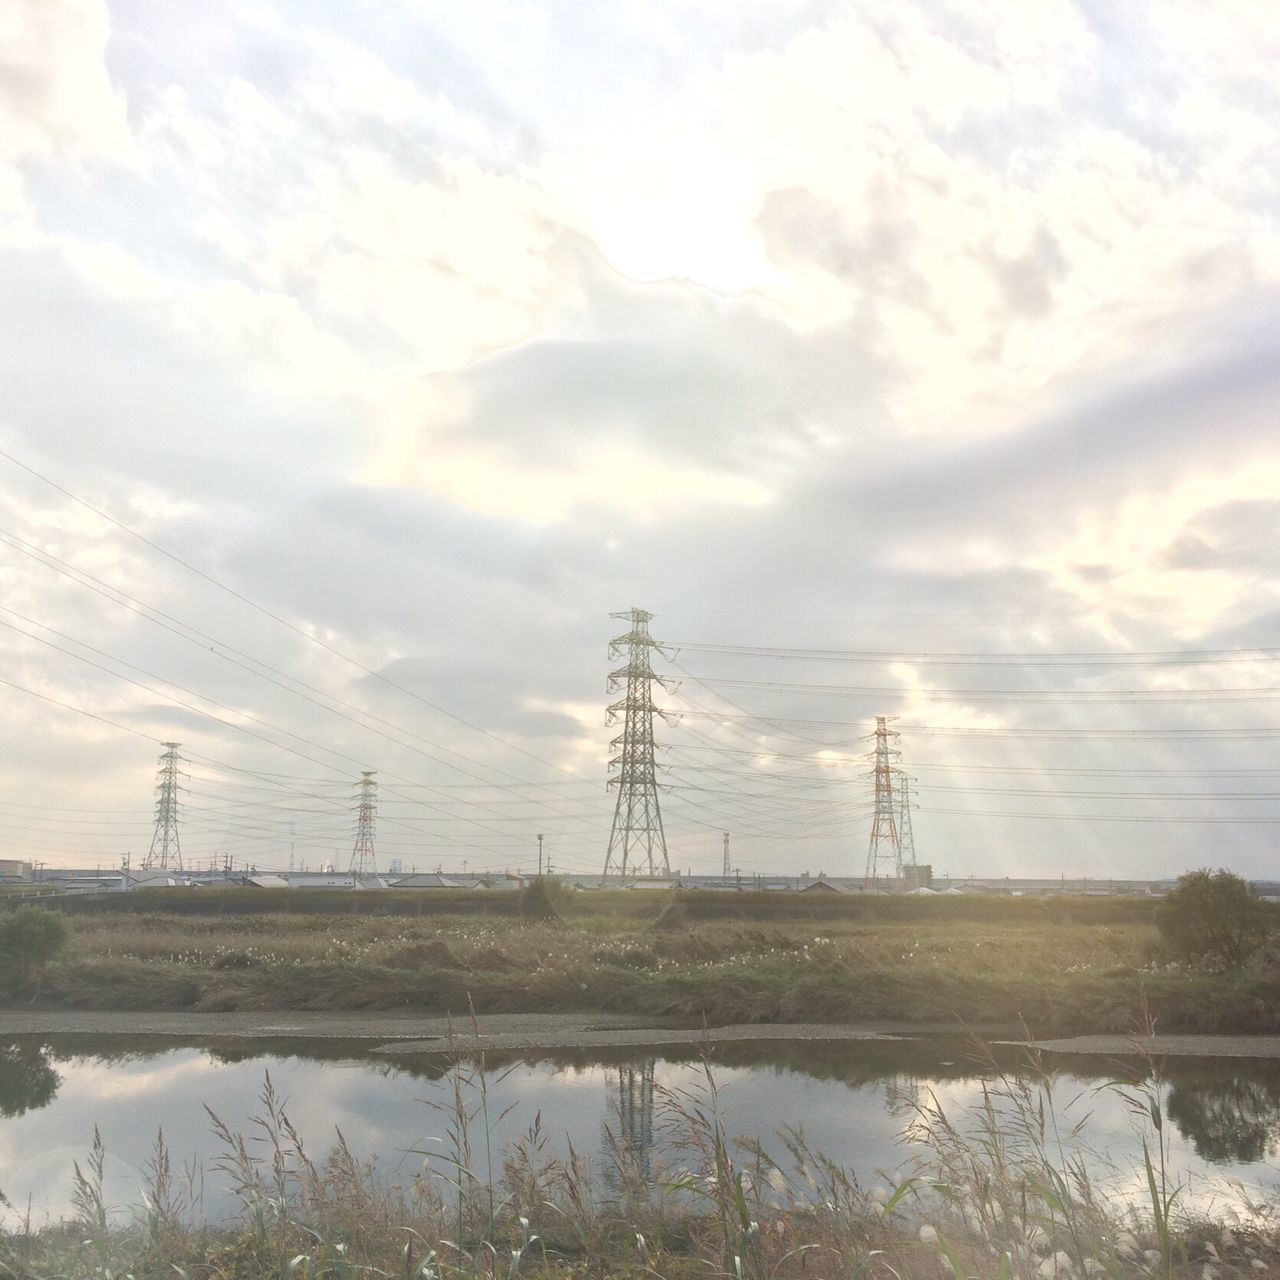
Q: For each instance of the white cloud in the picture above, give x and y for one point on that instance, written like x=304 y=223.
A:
x=443 y=324
x=57 y=101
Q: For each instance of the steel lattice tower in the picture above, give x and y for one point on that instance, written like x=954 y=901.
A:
x=886 y=842
x=165 y=851
x=727 y=870
x=906 y=841
x=637 y=843
x=362 y=857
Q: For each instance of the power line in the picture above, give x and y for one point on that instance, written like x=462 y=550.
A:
x=252 y=604
x=231 y=724
x=229 y=653
x=1099 y=817
x=1129 y=657
x=1227 y=694
x=1137 y=735
x=91 y=715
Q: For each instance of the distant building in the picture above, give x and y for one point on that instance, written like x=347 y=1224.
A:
x=917 y=877
x=822 y=886
x=428 y=880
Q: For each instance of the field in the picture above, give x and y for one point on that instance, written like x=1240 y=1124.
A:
x=1066 y=965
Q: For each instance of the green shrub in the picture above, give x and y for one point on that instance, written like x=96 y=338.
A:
x=1210 y=917
x=544 y=899
x=29 y=939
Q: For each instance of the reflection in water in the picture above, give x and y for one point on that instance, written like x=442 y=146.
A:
x=27 y=1079
x=634 y=1110
x=1229 y=1116
x=850 y=1098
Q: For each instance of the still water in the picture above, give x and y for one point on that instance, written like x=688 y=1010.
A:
x=851 y=1099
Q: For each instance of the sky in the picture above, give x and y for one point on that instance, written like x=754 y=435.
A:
x=359 y=360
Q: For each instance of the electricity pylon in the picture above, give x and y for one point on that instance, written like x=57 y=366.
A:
x=726 y=870
x=166 y=852
x=637 y=842
x=906 y=841
x=362 y=858
x=886 y=843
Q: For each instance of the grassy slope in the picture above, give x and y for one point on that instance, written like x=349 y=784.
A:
x=1062 y=965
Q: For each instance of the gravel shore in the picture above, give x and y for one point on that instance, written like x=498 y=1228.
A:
x=410 y=1033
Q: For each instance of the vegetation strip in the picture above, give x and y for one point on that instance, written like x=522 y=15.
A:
x=1064 y=966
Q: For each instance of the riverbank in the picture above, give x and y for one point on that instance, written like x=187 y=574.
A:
x=1062 y=976
x=402 y=1034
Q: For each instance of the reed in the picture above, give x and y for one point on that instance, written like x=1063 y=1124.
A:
x=1058 y=973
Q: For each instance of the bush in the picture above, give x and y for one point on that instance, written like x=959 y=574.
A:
x=29 y=939
x=1210 y=916
x=544 y=899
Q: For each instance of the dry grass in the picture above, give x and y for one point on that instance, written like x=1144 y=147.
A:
x=247 y=941
x=1060 y=976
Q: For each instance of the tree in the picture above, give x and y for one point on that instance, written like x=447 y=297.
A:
x=1210 y=916
x=29 y=939
x=27 y=1079
x=1229 y=1115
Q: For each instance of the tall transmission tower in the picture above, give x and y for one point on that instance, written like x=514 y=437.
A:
x=885 y=849
x=362 y=857
x=906 y=841
x=166 y=852
x=727 y=870
x=637 y=842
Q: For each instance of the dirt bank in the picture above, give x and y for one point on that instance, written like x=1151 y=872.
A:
x=419 y=1033
x=1171 y=1046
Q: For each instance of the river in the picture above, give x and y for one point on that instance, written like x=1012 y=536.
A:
x=853 y=1100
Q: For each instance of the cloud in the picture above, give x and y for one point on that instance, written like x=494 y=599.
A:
x=57 y=101
x=638 y=397
x=1235 y=536
x=446 y=333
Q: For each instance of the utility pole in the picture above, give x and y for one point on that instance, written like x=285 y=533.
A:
x=165 y=852
x=637 y=842
x=726 y=871
x=362 y=856
x=885 y=846
x=539 y=856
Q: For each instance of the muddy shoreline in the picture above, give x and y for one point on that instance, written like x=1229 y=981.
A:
x=410 y=1033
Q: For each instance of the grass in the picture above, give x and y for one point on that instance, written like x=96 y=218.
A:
x=638 y=905
x=1063 y=966
x=1001 y=1189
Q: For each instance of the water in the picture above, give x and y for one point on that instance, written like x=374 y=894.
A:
x=852 y=1100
